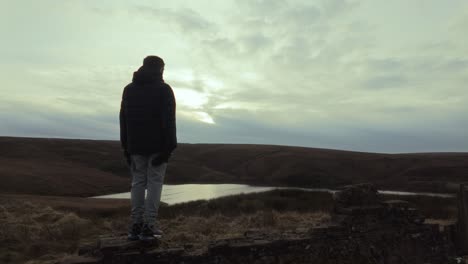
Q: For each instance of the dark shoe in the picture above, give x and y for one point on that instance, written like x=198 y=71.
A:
x=149 y=233
x=134 y=231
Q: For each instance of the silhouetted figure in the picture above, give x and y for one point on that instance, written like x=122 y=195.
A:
x=148 y=137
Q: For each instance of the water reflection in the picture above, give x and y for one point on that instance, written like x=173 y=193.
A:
x=180 y=193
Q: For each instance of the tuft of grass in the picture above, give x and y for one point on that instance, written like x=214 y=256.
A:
x=202 y=230
x=34 y=231
x=431 y=207
x=277 y=200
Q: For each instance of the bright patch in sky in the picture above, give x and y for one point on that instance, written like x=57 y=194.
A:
x=203 y=117
x=190 y=98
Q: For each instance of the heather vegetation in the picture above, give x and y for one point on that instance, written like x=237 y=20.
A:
x=83 y=168
x=45 y=229
x=33 y=231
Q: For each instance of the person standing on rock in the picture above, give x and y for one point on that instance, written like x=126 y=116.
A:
x=148 y=138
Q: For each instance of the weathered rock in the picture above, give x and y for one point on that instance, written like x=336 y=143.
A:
x=81 y=260
x=360 y=195
x=121 y=244
x=462 y=224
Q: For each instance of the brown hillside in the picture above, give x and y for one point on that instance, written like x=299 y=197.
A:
x=89 y=167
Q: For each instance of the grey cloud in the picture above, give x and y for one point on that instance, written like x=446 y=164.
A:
x=295 y=55
x=386 y=82
x=103 y=11
x=385 y=65
x=302 y=16
x=306 y=73
x=456 y=64
x=264 y=8
x=39 y=122
x=185 y=19
x=286 y=39
x=247 y=46
x=239 y=127
x=320 y=77
x=220 y=46
x=255 y=43
x=337 y=7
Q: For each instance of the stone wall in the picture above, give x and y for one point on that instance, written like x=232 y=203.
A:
x=363 y=229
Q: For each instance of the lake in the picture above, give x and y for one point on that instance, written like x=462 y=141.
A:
x=180 y=193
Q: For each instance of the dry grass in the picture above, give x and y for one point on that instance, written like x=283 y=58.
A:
x=30 y=230
x=33 y=232
x=431 y=207
x=199 y=231
x=40 y=230
x=193 y=229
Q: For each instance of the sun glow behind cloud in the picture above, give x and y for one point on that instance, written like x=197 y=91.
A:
x=203 y=117
x=190 y=98
x=193 y=92
x=191 y=103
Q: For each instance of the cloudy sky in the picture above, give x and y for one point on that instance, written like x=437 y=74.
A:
x=376 y=75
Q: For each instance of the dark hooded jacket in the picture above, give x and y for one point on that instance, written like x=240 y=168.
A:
x=147 y=115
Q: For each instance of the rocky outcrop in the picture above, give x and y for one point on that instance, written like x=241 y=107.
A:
x=462 y=224
x=363 y=229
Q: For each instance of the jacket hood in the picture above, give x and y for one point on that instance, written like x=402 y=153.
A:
x=147 y=75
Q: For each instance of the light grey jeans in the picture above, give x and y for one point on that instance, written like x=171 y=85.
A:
x=147 y=177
